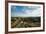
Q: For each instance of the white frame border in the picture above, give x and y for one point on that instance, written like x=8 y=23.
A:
x=23 y=29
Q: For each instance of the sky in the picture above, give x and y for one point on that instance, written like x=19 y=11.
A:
x=25 y=11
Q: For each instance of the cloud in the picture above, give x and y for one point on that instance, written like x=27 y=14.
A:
x=32 y=12
x=28 y=11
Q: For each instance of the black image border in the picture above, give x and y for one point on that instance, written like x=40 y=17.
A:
x=6 y=16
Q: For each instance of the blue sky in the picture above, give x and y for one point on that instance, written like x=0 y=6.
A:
x=24 y=11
